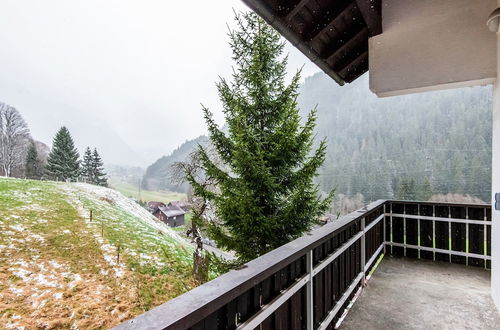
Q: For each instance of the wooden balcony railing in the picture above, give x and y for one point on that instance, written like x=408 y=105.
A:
x=309 y=282
x=458 y=233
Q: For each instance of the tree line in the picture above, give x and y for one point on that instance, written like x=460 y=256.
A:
x=22 y=156
x=441 y=140
x=405 y=147
x=63 y=162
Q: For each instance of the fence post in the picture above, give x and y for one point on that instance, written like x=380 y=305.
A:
x=309 y=291
x=384 y=239
x=485 y=244
x=363 y=250
x=418 y=230
x=118 y=256
x=434 y=233
x=90 y=215
x=449 y=232
x=404 y=230
x=390 y=225
x=467 y=236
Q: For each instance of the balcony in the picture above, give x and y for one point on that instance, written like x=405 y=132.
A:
x=381 y=266
x=420 y=294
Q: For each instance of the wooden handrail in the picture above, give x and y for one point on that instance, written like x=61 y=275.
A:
x=347 y=247
x=188 y=309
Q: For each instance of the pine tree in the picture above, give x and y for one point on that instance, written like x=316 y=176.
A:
x=63 y=161
x=87 y=166
x=406 y=189
x=425 y=191
x=98 y=174
x=265 y=193
x=33 y=165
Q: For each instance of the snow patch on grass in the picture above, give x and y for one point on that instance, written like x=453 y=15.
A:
x=58 y=269
x=128 y=205
x=17 y=227
x=134 y=222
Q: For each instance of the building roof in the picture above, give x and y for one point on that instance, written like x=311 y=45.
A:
x=171 y=210
x=333 y=34
x=154 y=205
x=181 y=204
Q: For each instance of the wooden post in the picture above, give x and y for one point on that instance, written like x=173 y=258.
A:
x=118 y=256
x=309 y=292
x=90 y=215
x=102 y=228
x=363 y=250
x=384 y=232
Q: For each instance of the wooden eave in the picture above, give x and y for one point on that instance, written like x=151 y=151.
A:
x=333 y=34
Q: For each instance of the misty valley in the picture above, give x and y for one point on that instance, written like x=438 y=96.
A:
x=432 y=147
x=291 y=190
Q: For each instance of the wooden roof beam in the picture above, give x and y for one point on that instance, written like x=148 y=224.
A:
x=346 y=61
x=351 y=43
x=330 y=25
x=356 y=68
x=323 y=22
x=357 y=74
x=335 y=47
x=295 y=10
x=371 y=12
x=353 y=48
x=266 y=12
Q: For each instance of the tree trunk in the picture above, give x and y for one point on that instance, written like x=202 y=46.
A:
x=200 y=264
x=200 y=267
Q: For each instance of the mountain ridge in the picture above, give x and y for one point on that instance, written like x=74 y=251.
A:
x=444 y=136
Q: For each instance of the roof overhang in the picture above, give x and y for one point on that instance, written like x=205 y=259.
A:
x=333 y=34
x=432 y=45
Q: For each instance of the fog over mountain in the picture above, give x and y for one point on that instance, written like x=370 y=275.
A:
x=124 y=76
x=87 y=128
x=441 y=138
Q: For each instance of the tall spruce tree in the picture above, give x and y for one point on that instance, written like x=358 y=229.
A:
x=98 y=174
x=63 y=161
x=87 y=166
x=33 y=165
x=265 y=193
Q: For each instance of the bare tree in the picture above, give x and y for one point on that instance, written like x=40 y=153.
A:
x=345 y=204
x=14 y=138
x=202 y=211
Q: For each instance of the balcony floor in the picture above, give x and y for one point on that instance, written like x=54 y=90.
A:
x=419 y=294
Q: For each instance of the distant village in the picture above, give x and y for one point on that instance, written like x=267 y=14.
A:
x=171 y=214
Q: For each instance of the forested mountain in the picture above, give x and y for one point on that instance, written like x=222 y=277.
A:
x=374 y=143
x=158 y=174
x=376 y=146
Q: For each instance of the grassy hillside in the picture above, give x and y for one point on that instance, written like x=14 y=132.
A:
x=146 y=195
x=58 y=269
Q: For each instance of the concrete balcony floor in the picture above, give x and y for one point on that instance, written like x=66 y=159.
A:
x=420 y=294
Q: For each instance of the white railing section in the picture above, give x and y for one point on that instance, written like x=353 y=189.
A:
x=433 y=219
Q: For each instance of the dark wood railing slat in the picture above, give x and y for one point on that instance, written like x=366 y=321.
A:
x=273 y=289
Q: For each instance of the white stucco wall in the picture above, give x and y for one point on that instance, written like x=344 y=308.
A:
x=432 y=44
x=495 y=187
x=438 y=44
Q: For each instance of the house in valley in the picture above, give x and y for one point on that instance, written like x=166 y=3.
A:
x=182 y=204
x=171 y=215
x=152 y=206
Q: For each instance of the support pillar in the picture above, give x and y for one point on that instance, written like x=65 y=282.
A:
x=495 y=186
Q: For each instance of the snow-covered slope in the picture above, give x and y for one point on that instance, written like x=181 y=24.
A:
x=59 y=268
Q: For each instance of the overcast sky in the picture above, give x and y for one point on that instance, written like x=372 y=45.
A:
x=126 y=76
